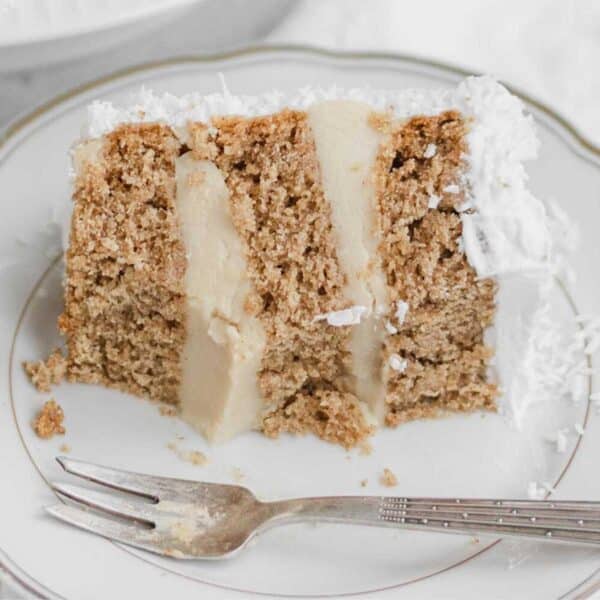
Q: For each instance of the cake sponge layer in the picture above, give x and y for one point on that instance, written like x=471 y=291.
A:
x=319 y=267
x=439 y=339
x=124 y=316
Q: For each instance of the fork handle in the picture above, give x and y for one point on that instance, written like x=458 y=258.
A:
x=553 y=521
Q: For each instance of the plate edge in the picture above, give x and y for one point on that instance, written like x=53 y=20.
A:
x=20 y=122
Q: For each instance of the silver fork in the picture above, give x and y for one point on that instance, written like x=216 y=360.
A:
x=189 y=519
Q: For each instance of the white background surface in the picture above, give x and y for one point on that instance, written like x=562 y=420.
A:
x=548 y=48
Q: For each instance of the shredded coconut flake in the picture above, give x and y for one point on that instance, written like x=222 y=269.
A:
x=398 y=363
x=549 y=363
x=505 y=229
x=501 y=137
x=430 y=151
x=535 y=491
x=547 y=487
x=401 y=311
x=380 y=310
x=390 y=328
x=347 y=316
x=560 y=440
x=434 y=201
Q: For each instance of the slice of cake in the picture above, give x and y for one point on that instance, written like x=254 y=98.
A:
x=326 y=261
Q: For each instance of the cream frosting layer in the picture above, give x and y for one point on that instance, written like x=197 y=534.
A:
x=346 y=148
x=219 y=393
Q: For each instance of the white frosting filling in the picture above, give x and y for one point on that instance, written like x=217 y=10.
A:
x=347 y=147
x=344 y=317
x=219 y=392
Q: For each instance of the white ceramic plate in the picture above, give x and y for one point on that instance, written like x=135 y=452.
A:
x=464 y=455
x=39 y=32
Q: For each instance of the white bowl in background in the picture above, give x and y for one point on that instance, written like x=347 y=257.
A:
x=34 y=33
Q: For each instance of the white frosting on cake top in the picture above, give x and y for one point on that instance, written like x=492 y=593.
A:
x=507 y=230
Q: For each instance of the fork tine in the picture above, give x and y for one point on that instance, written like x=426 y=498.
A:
x=134 y=483
x=132 y=535
x=138 y=511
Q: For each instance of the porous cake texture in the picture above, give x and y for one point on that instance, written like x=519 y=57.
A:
x=440 y=338
x=215 y=227
x=124 y=317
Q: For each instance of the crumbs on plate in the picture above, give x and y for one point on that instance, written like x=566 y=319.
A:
x=46 y=373
x=388 y=478
x=49 y=421
x=195 y=457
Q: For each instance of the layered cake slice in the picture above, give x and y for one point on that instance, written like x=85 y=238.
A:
x=326 y=261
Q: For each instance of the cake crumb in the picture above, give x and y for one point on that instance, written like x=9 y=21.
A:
x=49 y=420
x=388 y=478
x=65 y=448
x=45 y=373
x=167 y=410
x=380 y=122
x=195 y=457
x=363 y=482
x=365 y=448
